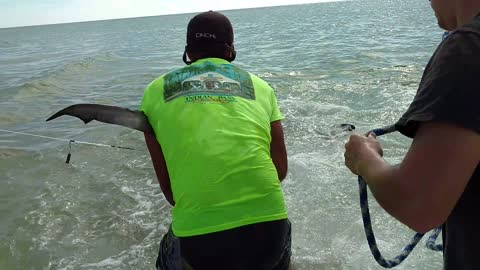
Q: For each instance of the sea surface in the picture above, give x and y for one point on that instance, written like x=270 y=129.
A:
x=355 y=62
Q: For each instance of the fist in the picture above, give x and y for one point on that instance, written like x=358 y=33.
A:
x=359 y=150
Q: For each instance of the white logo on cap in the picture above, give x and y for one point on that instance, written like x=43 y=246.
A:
x=205 y=35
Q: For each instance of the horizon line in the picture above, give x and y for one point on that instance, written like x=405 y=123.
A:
x=167 y=14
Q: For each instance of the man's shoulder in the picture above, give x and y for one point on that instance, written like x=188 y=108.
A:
x=155 y=88
x=459 y=51
x=464 y=40
x=158 y=82
x=259 y=82
x=472 y=27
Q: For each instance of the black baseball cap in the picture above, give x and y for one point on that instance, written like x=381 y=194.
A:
x=209 y=27
x=210 y=33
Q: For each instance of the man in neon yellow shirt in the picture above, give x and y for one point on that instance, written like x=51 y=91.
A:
x=219 y=155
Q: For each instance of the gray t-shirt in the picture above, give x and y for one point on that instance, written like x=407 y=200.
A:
x=449 y=92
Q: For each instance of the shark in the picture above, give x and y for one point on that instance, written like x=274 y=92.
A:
x=107 y=114
x=122 y=116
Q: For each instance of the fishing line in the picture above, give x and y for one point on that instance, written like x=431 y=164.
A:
x=70 y=141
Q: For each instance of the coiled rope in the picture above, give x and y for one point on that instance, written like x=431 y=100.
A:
x=367 y=224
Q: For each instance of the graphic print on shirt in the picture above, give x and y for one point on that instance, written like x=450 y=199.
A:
x=207 y=82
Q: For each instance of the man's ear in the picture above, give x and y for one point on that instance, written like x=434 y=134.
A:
x=186 y=59
x=232 y=53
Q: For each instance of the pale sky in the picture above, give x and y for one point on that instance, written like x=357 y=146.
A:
x=34 y=12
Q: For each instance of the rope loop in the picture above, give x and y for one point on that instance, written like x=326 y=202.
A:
x=367 y=224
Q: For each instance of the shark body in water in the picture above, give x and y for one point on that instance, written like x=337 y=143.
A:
x=122 y=116
x=107 y=114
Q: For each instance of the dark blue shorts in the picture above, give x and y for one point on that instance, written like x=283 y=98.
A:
x=261 y=246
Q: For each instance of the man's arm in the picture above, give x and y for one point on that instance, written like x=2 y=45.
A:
x=278 y=151
x=160 y=166
x=424 y=188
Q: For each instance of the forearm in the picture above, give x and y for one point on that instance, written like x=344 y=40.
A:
x=393 y=194
x=160 y=167
x=278 y=151
x=167 y=192
x=164 y=181
x=281 y=165
x=425 y=187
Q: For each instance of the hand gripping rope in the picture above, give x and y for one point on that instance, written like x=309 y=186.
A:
x=368 y=224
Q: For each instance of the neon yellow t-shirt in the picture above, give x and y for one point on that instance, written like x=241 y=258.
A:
x=212 y=120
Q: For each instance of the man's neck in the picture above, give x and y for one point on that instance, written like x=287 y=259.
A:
x=466 y=11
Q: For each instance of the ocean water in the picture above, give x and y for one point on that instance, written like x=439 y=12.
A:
x=355 y=62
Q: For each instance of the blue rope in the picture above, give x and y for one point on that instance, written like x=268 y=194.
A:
x=433 y=238
x=367 y=224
